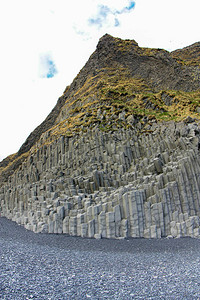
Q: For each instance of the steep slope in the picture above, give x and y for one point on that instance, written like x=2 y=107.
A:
x=118 y=156
x=121 y=76
x=189 y=55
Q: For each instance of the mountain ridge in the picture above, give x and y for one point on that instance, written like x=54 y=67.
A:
x=146 y=69
x=118 y=156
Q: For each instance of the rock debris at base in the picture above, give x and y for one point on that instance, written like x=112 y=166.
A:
x=43 y=266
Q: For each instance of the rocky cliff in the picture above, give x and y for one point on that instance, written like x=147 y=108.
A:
x=118 y=156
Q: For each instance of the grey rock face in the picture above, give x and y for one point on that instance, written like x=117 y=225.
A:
x=111 y=185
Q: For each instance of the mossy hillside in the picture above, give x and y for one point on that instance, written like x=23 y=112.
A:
x=107 y=100
x=119 y=98
x=105 y=96
x=5 y=162
x=188 y=56
x=14 y=163
x=121 y=85
x=127 y=46
x=117 y=103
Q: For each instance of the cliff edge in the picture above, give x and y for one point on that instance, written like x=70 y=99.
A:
x=118 y=156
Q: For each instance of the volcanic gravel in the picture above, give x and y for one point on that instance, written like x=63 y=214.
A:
x=50 y=266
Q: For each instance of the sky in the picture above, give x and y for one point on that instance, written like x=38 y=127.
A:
x=45 y=43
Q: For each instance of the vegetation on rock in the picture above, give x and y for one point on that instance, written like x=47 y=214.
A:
x=121 y=84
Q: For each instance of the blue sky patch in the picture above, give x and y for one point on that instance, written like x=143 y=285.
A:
x=104 y=11
x=51 y=69
x=117 y=23
x=47 y=67
x=131 y=5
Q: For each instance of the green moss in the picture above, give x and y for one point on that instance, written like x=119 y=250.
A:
x=114 y=91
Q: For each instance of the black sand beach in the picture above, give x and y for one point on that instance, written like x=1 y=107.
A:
x=45 y=266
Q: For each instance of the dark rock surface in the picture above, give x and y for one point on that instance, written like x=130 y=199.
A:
x=188 y=55
x=35 y=266
x=156 y=66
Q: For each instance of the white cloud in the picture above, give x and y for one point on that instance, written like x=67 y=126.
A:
x=104 y=15
x=59 y=30
x=109 y=16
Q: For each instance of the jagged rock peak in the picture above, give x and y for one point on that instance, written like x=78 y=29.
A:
x=108 y=40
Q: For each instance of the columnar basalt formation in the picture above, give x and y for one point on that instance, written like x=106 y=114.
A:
x=118 y=156
x=111 y=184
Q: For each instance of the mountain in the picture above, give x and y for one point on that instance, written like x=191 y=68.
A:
x=188 y=56
x=118 y=154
